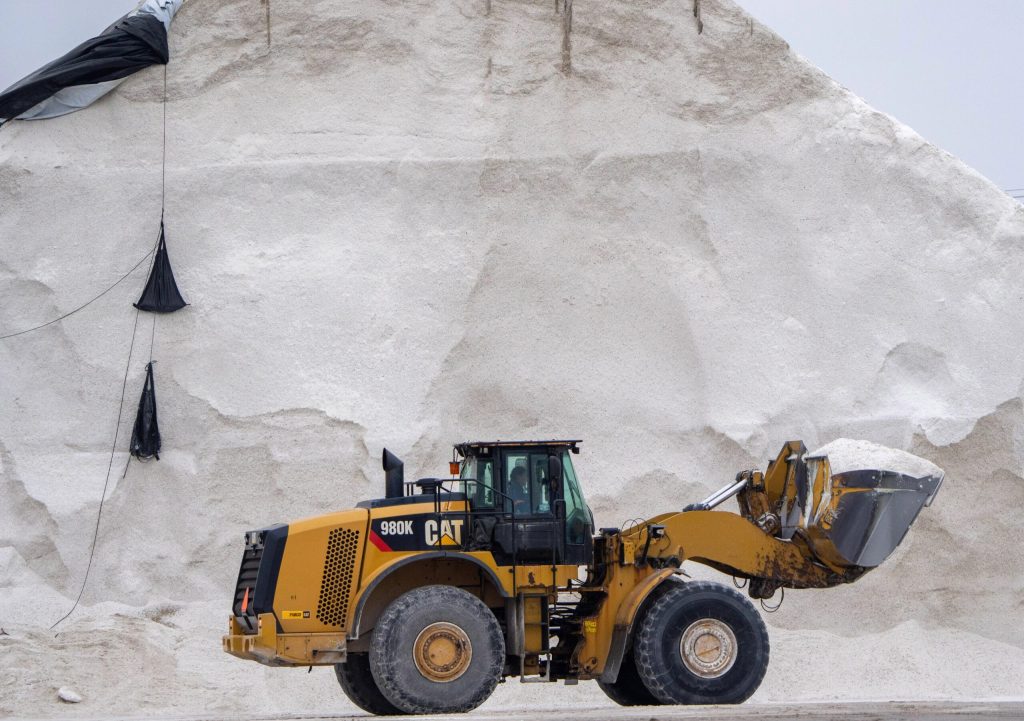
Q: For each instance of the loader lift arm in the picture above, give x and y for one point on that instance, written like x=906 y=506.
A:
x=800 y=525
x=735 y=545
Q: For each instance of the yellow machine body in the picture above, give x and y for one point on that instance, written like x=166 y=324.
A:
x=311 y=592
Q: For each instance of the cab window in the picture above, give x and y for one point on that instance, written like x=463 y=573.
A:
x=477 y=482
x=577 y=515
x=525 y=482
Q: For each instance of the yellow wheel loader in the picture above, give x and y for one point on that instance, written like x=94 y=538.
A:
x=426 y=599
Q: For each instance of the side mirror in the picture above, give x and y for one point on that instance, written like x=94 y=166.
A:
x=555 y=471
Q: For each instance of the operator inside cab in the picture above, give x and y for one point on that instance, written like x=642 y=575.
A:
x=528 y=496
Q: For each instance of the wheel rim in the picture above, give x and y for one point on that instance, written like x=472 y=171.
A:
x=442 y=652
x=708 y=648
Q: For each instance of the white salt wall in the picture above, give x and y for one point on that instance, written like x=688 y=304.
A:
x=402 y=224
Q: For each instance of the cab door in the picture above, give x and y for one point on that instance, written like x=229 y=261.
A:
x=528 y=531
x=577 y=524
x=547 y=522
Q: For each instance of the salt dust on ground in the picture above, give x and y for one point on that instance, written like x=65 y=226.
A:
x=410 y=224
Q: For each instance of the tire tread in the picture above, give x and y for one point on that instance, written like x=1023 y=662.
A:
x=382 y=659
x=356 y=680
x=628 y=689
x=652 y=669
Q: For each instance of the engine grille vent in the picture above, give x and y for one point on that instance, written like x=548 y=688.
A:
x=332 y=608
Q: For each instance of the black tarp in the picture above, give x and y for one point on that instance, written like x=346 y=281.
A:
x=129 y=45
x=146 y=433
x=161 y=294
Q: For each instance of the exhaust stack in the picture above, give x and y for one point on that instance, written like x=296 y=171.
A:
x=394 y=475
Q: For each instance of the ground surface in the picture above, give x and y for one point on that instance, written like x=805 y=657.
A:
x=895 y=711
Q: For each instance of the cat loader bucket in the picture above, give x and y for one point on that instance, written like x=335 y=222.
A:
x=858 y=500
x=850 y=503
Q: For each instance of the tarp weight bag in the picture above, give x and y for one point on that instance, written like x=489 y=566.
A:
x=146 y=434
x=161 y=294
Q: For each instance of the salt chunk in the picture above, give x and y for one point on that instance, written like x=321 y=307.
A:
x=68 y=695
x=845 y=454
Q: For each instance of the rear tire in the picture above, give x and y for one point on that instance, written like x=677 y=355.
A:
x=628 y=689
x=437 y=649
x=701 y=643
x=357 y=682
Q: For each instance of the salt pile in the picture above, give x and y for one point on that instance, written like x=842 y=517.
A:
x=845 y=455
x=403 y=224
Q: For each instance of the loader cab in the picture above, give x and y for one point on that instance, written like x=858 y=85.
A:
x=526 y=502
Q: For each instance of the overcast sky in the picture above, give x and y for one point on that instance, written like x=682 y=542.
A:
x=951 y=69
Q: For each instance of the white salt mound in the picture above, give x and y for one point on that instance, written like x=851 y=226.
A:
x=403 y=224
x=846 y=454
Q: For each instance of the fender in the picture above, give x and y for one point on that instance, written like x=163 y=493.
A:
x=625 y=617
x=386 y=571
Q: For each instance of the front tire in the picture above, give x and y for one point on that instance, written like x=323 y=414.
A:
x=437 y=649
x=701 y=643
x=356 y=680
